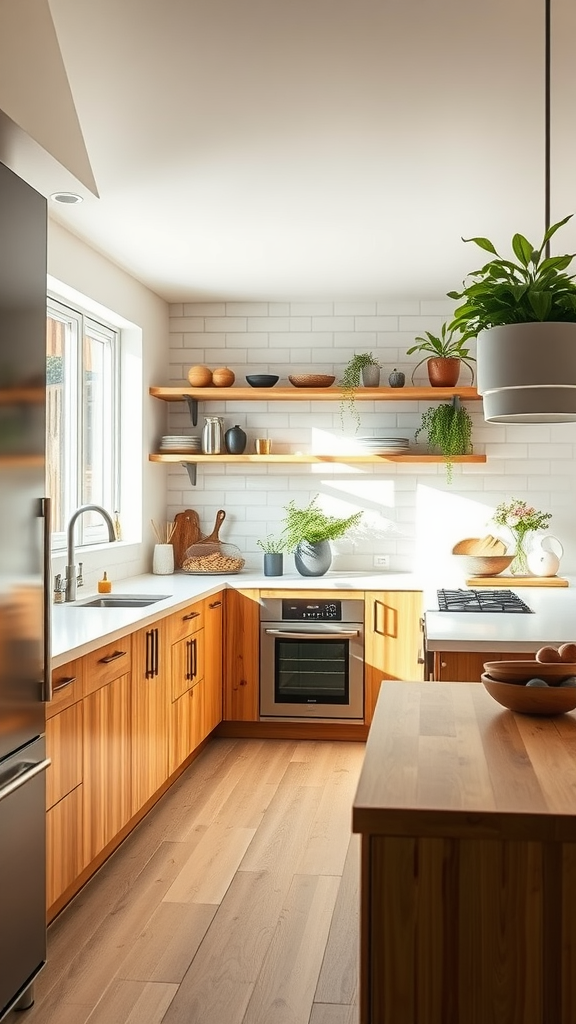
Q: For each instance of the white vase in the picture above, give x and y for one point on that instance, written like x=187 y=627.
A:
x=544 y=558
x=163 y=559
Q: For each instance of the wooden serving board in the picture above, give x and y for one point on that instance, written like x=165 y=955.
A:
x=517 y=581
x=187 y=532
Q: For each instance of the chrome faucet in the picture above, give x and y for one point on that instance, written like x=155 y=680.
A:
x=72 y=581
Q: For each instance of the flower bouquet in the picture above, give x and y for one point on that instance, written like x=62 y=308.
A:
x=521 y=519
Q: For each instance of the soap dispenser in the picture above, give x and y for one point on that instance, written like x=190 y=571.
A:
x=104 y=585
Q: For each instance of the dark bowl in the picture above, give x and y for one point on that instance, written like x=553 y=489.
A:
x=262 y=380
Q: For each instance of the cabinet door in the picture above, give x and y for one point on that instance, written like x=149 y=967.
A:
x=241 y=655
x=393 y=641
x=187 y=663
x=213 y=636
x=107 y=766
x=64 y=844
x=67 y=687
x=186 y=723
x=467 y=666
x=150 y=700
x=64 y=748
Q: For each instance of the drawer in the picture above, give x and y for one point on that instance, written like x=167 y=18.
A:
x=185 y=622
x=67 y=686
x=64 y=748
x=107 y=663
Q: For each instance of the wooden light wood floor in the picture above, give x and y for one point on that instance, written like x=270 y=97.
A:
x=235 y=901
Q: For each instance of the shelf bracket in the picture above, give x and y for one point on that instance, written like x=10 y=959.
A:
x=191 y=468
x=192 y=408
x=456 y=404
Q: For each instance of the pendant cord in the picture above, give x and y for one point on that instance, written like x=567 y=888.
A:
x=547 y=76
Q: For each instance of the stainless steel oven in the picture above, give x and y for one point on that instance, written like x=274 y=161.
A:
x=312 y=659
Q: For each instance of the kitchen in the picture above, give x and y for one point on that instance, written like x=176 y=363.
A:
x=413 y=515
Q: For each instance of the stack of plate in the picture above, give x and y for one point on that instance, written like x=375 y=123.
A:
x=383 y=445
x=179 y=443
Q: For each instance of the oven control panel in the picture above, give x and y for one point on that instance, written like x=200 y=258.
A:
x=301 y=610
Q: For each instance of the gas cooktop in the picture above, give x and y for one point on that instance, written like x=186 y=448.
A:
x=481 y=601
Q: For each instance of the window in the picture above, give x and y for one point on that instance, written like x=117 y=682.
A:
x=82 y=420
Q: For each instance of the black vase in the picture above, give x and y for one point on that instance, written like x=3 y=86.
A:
x=235 y=439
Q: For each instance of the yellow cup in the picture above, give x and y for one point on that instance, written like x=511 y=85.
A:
x=263 y=445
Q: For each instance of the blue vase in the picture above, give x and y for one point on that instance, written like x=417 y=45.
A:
x=313 y=559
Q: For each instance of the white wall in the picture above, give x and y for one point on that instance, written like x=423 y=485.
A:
x=412 y=513
x=86 y=271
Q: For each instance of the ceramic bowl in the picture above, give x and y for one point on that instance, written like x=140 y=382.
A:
x=522 y=671
x=483 y=565
x=311 y=380
x=262 y=380
x=531 y=700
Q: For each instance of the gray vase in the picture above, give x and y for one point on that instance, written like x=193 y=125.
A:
x=273 y=563
x=371 y=376
x=313 y=559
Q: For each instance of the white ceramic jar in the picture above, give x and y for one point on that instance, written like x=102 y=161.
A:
x=544 y=557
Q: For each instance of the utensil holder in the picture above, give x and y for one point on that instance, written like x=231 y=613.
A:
x=163 y=559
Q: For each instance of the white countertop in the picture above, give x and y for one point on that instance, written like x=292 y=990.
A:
x=77 y=631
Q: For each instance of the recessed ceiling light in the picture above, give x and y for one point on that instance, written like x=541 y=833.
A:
x=67 y=198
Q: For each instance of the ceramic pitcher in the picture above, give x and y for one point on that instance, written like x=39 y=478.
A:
x=544 y=558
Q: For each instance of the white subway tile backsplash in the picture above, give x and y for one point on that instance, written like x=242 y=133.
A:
x=532 y=461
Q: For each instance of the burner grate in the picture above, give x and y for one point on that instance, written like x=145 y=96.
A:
x=481 y=601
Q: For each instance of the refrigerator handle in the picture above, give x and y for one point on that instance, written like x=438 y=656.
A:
x=45 y=514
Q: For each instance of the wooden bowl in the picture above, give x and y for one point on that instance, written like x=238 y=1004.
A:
x=483 y=565
x=311 y=380
x=522 y=671
x=488 y=545
x=531 y=700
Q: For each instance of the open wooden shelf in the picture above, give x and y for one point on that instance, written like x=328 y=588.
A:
x=22 y=396
x=331 y=394
x=21 y=461
x=294 y=459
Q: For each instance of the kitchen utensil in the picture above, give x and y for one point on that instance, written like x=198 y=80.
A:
x=187 y=532
x=531 y=700
x=213 y=435
x=262 y=380
x=522 y=671
x=311 y=380
x=213 y=556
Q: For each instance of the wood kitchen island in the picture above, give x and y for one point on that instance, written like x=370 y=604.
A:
x=468 y=820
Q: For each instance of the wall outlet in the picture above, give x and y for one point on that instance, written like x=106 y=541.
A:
x=381 y=561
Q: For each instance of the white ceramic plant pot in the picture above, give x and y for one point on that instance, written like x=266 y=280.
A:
x=544 y=558
x=527 y=372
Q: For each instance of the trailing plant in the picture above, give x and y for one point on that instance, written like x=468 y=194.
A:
x=533 y=289
x=314 y=525
x=449 y=344
x=449 y=428
x=272 y=545
x=351 y=380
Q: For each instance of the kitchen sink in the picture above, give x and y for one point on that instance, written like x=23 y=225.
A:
x=121 y=601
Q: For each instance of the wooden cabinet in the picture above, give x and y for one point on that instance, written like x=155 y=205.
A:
x=241 y=655
x=107 y=765
x=467 y=666
x=64 y=747
x=186 y=639
x=213 y=678
x=393 y=641
x=150 y=704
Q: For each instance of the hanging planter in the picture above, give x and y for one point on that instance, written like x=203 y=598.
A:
x=524 y=316
x=449 y=429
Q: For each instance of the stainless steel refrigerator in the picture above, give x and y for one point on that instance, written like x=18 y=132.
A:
x=24 y=590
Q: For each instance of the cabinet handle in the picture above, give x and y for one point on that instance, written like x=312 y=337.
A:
x=112 y=657
x=64 y=684
x=194 y=659
x=191 y=615
x=156 y=646
x=215 y=604
x=188 y=659
x=148 y=672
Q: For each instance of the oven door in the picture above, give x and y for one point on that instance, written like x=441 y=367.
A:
x=312 y=670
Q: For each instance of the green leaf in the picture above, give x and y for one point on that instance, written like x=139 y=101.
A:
x=523 y=249
x=484 y=243
x=541 y=303
x=554 y=228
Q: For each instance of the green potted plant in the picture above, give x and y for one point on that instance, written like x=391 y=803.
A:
x=362 y=367
x=273 y=548
x=523 y=313
x=448 y=352
x=449 y=428
x=308 y=532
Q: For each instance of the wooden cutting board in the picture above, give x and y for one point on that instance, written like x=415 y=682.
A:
x=517 y=581
x=187 y=532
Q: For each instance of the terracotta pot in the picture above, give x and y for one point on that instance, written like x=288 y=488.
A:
x=443 y=372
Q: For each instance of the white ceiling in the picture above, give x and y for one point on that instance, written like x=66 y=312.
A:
x=253 y=149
